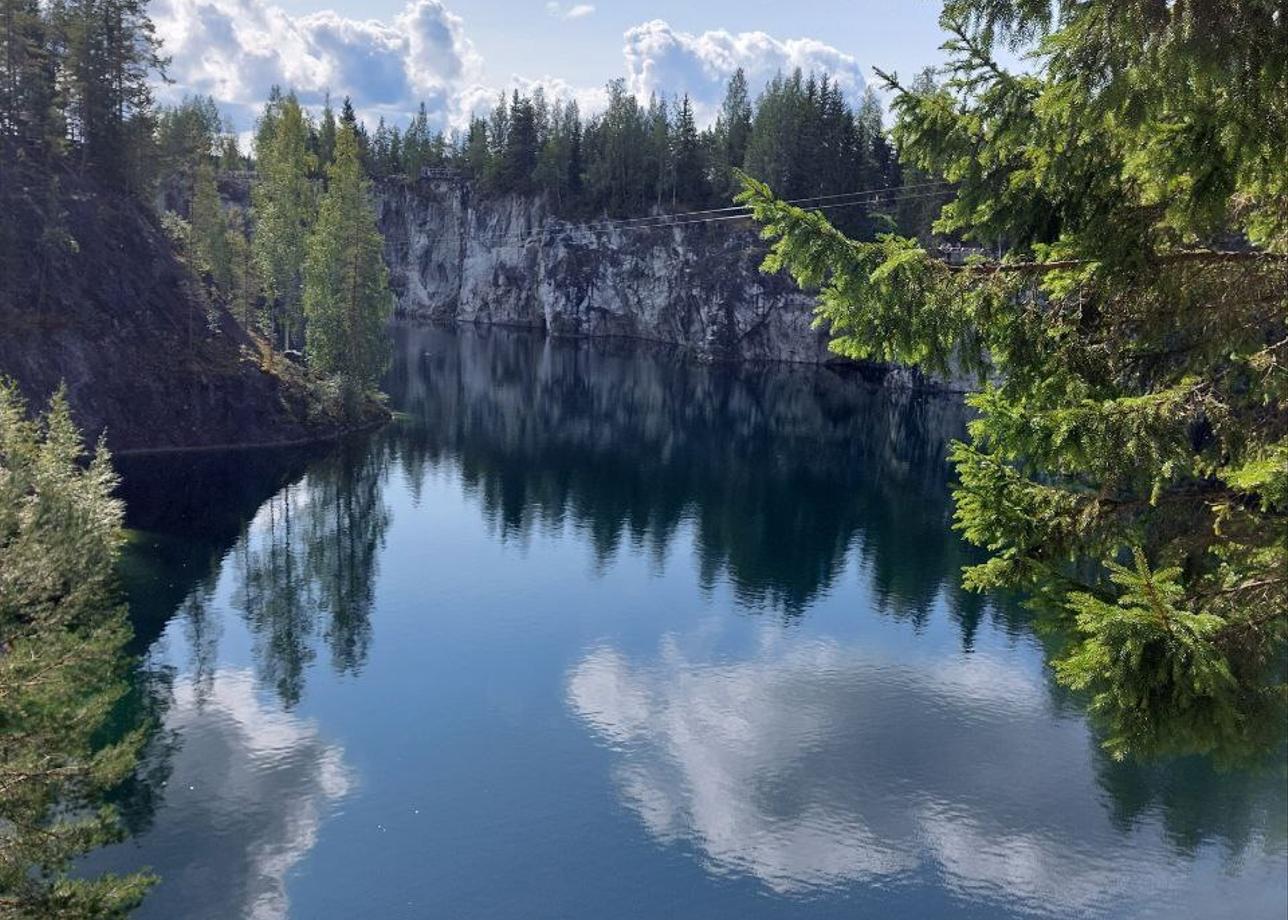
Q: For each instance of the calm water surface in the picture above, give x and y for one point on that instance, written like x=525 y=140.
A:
x=593 y=632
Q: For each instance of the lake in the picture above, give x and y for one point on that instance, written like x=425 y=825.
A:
x=593 y=631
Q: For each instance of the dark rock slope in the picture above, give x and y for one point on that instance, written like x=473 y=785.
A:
x=124 y=325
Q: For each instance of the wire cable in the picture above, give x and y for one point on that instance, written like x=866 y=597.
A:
x=676 y=222
x=940 y=183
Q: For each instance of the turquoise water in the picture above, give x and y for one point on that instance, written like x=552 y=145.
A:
x=595 y=632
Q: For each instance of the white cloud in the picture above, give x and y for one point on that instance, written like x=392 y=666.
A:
x=662 y=60
x=235 y=50
x=572 y=11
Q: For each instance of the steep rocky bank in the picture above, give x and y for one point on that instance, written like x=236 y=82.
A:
x=119 y=320
x=456 y=255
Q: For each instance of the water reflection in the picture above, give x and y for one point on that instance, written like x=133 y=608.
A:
x=310 y=567
x=813 y=766
x=245 y=791
x=302 y=531
x=790 y=762
x=784 y=471
x=185 y=511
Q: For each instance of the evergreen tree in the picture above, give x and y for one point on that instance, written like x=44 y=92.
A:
x=210 y=228
x=732 y=133
x=326 y=135
x=349 y=117
x=29 y=118
x=284 y=212
x=112 y=53
x=519 y=152
x=1129 y=464
x=63 y=668
x=383 y=162
x=691 y=186
x=633 y=158
x=186 y=134
x=417 y=146
x=617 y=174
x=477 y=149
x=346 y=299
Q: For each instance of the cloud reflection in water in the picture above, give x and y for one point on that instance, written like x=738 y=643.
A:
x=249 y=788
x=813 y=766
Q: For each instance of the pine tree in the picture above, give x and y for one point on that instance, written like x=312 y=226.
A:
x=417 y=144
x=519 y=153
x=1129 y=463
x=350 y=117
x=477 y=154
x=346 y=299
x=326 y=135
x=691 y=186
x=244 y=288
x=210 y=228
x=112 y=54
x=29 y=118
x=63 y=668
x=284 y=212
x=732 y=133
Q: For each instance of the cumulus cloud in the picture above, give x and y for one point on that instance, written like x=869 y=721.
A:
x=805 y=766
x=235 y=50
x=663 y=60
x=570 y=11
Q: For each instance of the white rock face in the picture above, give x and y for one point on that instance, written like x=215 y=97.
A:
x=455 y=256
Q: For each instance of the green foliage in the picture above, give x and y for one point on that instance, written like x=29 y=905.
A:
x=634 y=157
x=284 y=203
x=243 y=290
x=1156 y=670
x=187 y=135
x=1131 y=348
x=346 y=298
x=62 y=668
x=109 y=53
x=210 y=234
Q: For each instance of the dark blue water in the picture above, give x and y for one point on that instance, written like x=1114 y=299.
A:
x=594 y=632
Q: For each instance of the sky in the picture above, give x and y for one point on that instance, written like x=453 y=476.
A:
x=456 y=55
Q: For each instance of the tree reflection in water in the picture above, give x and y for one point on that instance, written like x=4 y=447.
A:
x=781 y=470
x=308 y=570
x=782 y=480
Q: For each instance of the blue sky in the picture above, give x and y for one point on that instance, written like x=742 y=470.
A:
x=455 y=55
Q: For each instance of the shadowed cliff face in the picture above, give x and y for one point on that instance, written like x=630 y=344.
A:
x=121 y=322
x=456 y=255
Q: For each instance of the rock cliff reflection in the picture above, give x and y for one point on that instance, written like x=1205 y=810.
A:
x=782 y=470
